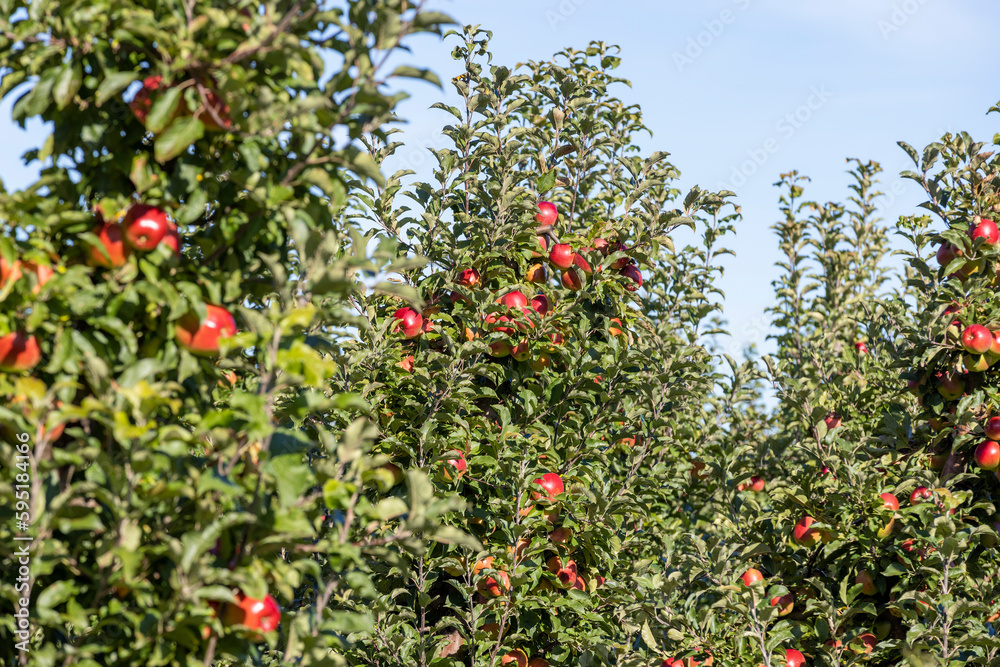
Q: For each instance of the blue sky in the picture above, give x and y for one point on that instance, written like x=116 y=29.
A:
x=717 y=80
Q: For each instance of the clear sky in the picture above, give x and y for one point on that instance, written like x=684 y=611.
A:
x=718 y=81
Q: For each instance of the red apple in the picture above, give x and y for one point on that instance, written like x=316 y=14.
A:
x=793 y=658
x=469 y=278
x=547 y=213
x=581 y=263
x=145 y=226
x=751 y=577
x=805 y=535
x=565 y=572
x=142 y=102
x=867 y=583
x=19 y=351
x=988 y=455
x=551 y=483
x=992 y=428
x=521 y=351
x=561 y=535
x=203 y=337
x=920 y=494
x=9 y=271
x=757 y=483
x=946 y=253
x=110 y=236
x=571 y=280
x=536 y=274
x=633 y=274
x=832 y=420
x=562 y=255
x=986 y=230
x=543 y=243
x=540 y=303
x=514 y=300
x=259 y=615
x=494 y=586
x=409 y=321
x=784 y=603
x=172 y=239
x=889 y=501
x=977 y=339
x=538 y=662
x=861 y=347
x=864 y=643
x=515 y=658
x=460 y=464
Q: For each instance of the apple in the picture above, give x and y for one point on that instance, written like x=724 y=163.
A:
x=805 y=535
x=172 y=239
x=824 y=471
x=976 y=363
x=988 y=455
x=946 y=253
x=409 y=321
x=514 y=300
x=540 y=303
x=110 y=236
x=864 y=643
x=491 y=629
x=832 y=420
x=493 y=585
x=757 y=483
x=407 y=363
x=500 y=349
x=496 y=324
x=867 y=583
x=13 y=273
x=861 y=347
x=469 y=278
x=992 y=428
x=515 y=658
x=566 y=572
x=561 y=535
x=601 y=245
x=580 y=584
x=950 y=386
x=995 y=345
x=920 y=494
x=581 y=263
x=543 y=243
x=621 y=262
x=521 y=351
x=571 y=280
x=632 y=273
x=615 y=331
x=889 y=501
x=751 y=577
x=986 y=230
x=551 y=483
x=562 y=255
x=538 y=662
x=536 y=274
x=143 y=102
x=794 y=658
x=784 y=603
x=19 y=351
x=977 y=339
x=258 y=615
x=547 y=213
x=203 y=337
x=460 y=464
x=557 y=340
x=541 y=362
x=145 y=226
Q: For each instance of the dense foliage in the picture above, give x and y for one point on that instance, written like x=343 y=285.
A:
x=263 y=403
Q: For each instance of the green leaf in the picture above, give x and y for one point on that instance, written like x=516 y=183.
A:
x=164 y=109
x=113 y=84
x=67 y=84
x=179 y=136
x=417 y=73
x=546 y=181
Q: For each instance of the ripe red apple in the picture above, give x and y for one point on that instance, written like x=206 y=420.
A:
x=497 y=324
x=547 y=213
x=988 y=455
x=784 y=603
x=861 y=347
x=521 y=351
x=946 y=253
x=110 y=236
x=832 y=420
x=469 y=278
x=515 y=658
x=751 y=577
x=551 y=483
x=543 y=243
x=581 y=263
x=203 y=337
x=460 y=465
x=19 y=351
x=538 y=662
x=889 y=501
x=143 y=102
x=514 y=300
x=561 y=535
x=805 y=535
x=536 y=274
x=571 y=280
x=986 y=230
x=566 y=572
x=867 y=583
x=864 y=643
x=562 y=255
x=540 y=303
x=794 y=658
x=409 y=321
x=13 y=273
x=632 y=273
x=494 y=585
x=258 y=615
x=977 y=339
x=145 y=226
x=920 y=494
x=757 y=483
x=995 y=345
x=9 y=271
x=992 y=428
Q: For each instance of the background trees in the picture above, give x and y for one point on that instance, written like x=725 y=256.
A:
x=284 y=408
